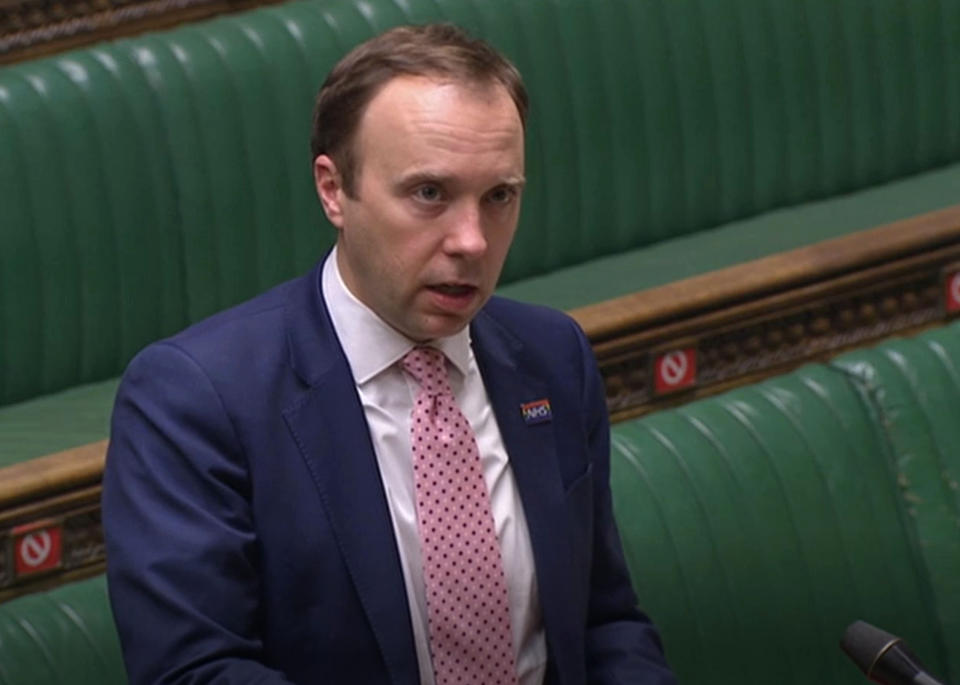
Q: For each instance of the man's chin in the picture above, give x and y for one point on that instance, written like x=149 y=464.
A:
x=434 y=316
x=437 y=332
x=434 y=326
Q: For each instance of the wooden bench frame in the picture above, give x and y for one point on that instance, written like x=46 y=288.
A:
x=36 y=28
x=708 y=334
x=765 y=317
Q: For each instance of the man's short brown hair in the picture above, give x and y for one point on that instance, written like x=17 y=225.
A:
x=432 y=50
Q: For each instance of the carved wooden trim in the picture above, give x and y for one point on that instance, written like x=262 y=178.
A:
x=50 y=530
x=750 y=321
x=705 y=334
x=33 y=28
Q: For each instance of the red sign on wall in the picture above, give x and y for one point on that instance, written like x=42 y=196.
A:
x=952 y=295
x=675 y=370
x=37 y=547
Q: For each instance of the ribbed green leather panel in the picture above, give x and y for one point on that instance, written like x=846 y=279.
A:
x=62 y=637
x=765 y=521
x=913 y=386
x=147 y=183
x=88 y=272
x=654 y=119
x=149 y=190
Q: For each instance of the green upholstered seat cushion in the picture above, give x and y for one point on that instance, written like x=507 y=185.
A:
x=913 y=387
x=55 y=422
x=768 y=519
x=61 y=637
x=783 y=229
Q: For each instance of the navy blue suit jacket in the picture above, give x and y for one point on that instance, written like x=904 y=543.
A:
x=248 y=535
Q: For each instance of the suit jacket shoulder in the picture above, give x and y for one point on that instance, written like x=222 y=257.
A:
x=543 y=341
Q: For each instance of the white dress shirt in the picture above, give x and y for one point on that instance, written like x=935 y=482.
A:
x=373 y=350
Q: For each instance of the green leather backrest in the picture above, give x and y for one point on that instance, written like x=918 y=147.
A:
x=913 y=388
x=62 y=637
x=760 y=523
x=149 y=182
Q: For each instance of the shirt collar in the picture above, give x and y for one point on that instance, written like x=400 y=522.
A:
x=371 y=344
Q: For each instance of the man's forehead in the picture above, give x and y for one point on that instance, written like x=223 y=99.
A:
x=413 y=115
x=411 y=89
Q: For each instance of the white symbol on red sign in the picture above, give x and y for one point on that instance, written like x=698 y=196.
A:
x=676 y=370
x=953 y=292
x=37 y=550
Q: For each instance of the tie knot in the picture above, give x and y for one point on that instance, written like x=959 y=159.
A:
x=428 y=367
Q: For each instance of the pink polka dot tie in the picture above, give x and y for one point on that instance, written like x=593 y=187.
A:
x=467 y=611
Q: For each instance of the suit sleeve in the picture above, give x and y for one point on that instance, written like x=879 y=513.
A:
x=622 y=645
x=181 y=550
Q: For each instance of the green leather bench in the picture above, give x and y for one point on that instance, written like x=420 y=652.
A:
x=757 y=524
x=760 y=523
x=62 y=637
x=913 y=387
x=147 y=183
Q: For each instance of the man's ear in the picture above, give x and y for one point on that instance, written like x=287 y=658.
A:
x=329 y=184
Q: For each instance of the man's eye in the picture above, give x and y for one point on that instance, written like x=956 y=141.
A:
x=502 y=195
x=428 y=193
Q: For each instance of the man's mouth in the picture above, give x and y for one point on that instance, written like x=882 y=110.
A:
x=453 y=289
x=454 y=298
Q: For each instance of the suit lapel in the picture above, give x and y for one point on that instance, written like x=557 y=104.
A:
x=533 y=459
x=334 y=440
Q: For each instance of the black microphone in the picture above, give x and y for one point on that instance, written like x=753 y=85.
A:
x=883 y=657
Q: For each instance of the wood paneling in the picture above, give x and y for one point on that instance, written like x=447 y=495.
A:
x=34 y=28
x=765 y=317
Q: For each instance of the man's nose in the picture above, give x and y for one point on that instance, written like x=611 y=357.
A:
x=466 y=236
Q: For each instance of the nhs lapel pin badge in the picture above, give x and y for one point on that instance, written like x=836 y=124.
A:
x=536 y=412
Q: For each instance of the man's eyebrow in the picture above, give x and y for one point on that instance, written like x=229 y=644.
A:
x=416 y=178
x=426 y=176
x=517 y=182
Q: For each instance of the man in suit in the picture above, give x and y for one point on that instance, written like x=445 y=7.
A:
x=378 y=472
